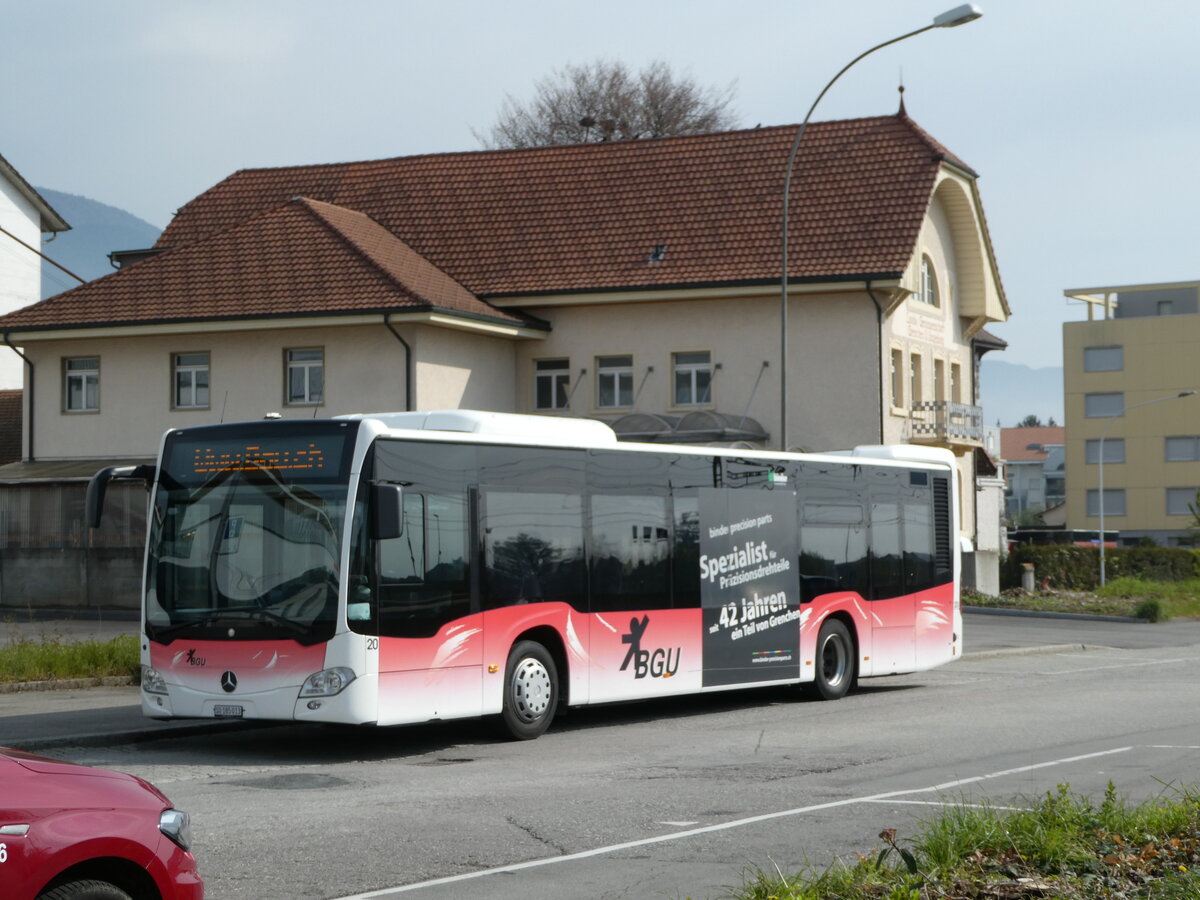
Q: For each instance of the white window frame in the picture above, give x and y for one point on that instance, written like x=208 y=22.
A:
x=928 y=293
x=87 y=380
x=556 y=375
x=691 y=369
x=186 y=396
x=615 y=372
x=306 y=366
x=915 y=392
x=897 y=372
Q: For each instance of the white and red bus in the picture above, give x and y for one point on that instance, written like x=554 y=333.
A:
x=411 y=567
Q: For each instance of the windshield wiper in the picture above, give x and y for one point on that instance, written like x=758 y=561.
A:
x=216 y=615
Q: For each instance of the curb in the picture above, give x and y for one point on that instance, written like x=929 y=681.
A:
x=1031 y=651
x=1041 y=614
x=67 y=684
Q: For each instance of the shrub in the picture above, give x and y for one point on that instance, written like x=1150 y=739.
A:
x=1149 y=609
x=1069 y=566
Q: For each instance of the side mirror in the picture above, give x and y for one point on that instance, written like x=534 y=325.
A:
x=387 y=511
x=98 y=487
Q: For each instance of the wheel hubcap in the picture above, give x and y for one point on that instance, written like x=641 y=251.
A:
x=833 y=661
x=531 y=690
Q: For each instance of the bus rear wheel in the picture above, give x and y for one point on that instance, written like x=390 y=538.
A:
x=530 y=691
x=835 y=661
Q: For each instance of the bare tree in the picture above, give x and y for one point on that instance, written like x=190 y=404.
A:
x=602 y=101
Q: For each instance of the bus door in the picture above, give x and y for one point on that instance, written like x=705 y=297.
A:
x=430 y=640
x=893 y=610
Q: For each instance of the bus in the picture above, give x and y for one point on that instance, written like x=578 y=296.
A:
x=411 y=567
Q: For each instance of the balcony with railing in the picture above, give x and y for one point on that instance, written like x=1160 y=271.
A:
x=945 y=422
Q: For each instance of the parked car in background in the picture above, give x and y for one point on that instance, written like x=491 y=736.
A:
x=71 y=832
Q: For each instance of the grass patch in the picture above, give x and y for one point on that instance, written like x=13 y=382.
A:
x=1066 y=846
x=1134 y=597
x=47 y=660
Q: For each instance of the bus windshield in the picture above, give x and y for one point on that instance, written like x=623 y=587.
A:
x=245 y=540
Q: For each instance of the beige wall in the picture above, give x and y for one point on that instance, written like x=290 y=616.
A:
x=833 y=395
x=462 y=370
x=1160 y=360
x=364 y=371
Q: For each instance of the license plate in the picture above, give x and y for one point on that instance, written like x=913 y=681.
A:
x=227 y=711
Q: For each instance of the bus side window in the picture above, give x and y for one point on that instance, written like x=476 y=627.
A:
x=422 y=575
x=533 y=548
x=631 y=553
x=833 y=549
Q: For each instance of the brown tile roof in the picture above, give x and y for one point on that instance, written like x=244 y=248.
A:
x=1025 y=444
x=585 y=217
x=438 y=229
x=304 y=257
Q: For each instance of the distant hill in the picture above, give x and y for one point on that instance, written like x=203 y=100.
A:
x=97 y=229
x=1010 y=392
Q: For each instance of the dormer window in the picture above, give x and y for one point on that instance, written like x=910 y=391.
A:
x=929 y=286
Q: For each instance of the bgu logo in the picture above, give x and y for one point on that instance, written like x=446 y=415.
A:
x=194 y=660
x=657 y=663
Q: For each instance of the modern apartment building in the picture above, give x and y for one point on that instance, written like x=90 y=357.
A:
x=1128 y=372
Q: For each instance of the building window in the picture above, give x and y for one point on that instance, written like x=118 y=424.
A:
x=305 y=376
x=191 y=380
x=897 y=378
x=552 y=378
x=1183 y=448
x=1166 y=307
x=955 y=383
x=693 y=379
x=1181 y=500
x=81 y=384
x=1114 y=450
x=939 y=380
x=614 y=381
x=914 y=378
x=1114 y=502
x=929 y=286
x=1103 y=359
x=1099 y=406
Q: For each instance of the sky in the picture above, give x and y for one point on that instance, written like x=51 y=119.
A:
x=1082 y=117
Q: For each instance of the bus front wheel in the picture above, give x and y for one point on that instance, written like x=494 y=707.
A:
x=530 y=691
x=835 y=661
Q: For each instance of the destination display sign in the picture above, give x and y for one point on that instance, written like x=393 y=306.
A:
x=749 y=586
x=295 y=456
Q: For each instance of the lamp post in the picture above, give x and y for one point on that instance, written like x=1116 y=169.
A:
x=960 y=15
x=1100 y=476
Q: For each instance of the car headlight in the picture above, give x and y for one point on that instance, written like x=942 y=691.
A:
x=152 y=681
x=177 y=826
x=327 y=682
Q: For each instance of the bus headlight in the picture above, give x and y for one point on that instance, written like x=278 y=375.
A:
x=327 y=682
x=152 y=681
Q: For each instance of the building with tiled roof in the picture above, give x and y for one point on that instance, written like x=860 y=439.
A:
x=636 y=282
x=1035 y=468
x=24 y=217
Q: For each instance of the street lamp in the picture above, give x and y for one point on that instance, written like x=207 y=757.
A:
x=960 y=15
x=1111 y=421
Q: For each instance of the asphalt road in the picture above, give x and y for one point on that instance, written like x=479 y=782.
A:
x=678 y=798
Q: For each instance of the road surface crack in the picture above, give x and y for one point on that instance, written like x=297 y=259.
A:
x=533 y=833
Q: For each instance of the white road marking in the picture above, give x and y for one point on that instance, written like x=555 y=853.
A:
x=679 y=824
x=723 y=826
x=1173 y=747
x=1153 y=662
x=948 y=804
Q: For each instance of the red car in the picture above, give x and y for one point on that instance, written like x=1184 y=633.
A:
x=71 y=832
